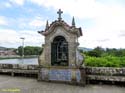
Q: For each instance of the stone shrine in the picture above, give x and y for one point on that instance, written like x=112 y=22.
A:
x=60 y=60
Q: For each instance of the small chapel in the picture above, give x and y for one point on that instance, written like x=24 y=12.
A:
x=60 y=59
x=61 y=44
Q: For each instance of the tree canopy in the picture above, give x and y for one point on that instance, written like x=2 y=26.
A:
x=99 y=57
x=29 y=50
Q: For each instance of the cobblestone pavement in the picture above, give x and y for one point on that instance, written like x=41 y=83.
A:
x=10 y=84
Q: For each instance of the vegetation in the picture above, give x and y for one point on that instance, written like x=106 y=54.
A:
x=29 y=50
x=97 y=57
x=100 y=57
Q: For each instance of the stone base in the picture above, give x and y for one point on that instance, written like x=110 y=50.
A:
x=66 y=75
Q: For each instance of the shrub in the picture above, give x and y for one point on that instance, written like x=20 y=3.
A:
x=108 y=61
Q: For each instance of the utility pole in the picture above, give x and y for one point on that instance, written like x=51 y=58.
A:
x=22 y=46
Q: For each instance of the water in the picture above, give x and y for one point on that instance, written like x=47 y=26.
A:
x=20 y=61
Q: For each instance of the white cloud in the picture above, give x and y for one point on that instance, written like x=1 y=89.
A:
x=122 y=33
x=24 y=23
x=37 y=22
x=79 y=8
x=11 y=38
x=3 y=21
x=31 y=23
x=18 y=2
x=108 y=25
x=109 y=20
x=7 y=4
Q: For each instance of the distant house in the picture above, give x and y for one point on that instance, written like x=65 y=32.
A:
x=7 y=52
x=2 y=53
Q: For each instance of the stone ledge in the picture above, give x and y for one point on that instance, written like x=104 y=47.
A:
x=107 y=71
x=106 y=78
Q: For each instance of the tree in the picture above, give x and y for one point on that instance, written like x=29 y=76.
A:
x=97 y=52
x=20 y=50
x=29 y=50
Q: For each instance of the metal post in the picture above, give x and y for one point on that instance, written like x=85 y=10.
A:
x=22 y=46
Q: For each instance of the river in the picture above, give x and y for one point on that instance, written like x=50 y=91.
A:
x=20 y=61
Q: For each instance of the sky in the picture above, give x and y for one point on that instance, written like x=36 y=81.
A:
x=102 y=21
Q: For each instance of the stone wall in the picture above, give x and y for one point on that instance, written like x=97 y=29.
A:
x=92 y=73
x=18 y=66
x=107 y=71
x=105 y=74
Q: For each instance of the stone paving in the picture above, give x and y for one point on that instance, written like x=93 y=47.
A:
x=10 y=84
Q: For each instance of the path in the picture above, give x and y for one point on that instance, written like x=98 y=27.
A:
x=10 y=84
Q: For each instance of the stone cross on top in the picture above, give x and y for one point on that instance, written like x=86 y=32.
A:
x=59 y=12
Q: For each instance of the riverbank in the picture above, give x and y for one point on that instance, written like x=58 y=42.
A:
x=17 y=57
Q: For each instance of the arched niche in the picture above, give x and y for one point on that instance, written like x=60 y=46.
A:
x=59 y=51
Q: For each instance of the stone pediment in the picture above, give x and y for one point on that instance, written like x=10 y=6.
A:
x=57 y=23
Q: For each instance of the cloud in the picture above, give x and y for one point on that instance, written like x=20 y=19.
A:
x=122 y=33
x=3 y=21
x=31 y=23
x=37 y=22
x=108 y=19
x=4 y=5
x=7 y=5
x=79 y=8
x=103 y=40
x=11 y=38
x=17 y=2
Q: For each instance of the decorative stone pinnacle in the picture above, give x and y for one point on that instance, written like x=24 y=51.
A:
x=73 y=22
x=59 y=12
x=47 y=25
